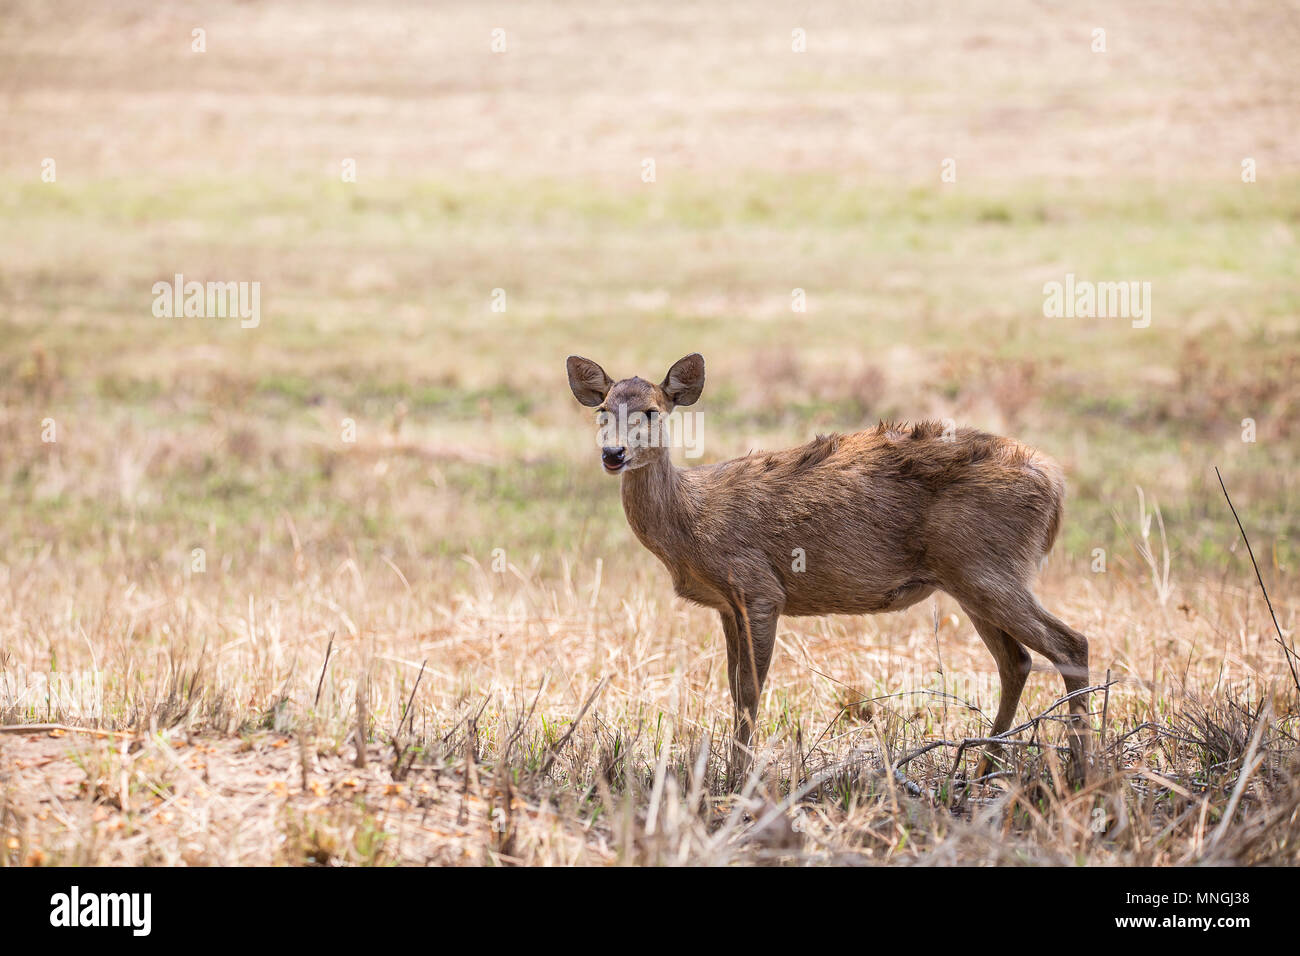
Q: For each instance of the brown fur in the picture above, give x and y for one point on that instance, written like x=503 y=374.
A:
x=882 y=517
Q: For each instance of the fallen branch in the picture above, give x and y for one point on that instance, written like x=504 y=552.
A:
x=1003 y=738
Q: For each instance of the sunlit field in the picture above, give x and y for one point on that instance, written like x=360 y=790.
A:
x=347 y=585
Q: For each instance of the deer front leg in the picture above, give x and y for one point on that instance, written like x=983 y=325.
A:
x=751 y=636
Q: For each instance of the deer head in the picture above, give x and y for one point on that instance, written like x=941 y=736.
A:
x=631 y=414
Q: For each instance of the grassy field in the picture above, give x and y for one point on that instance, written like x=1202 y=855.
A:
x=215 y=591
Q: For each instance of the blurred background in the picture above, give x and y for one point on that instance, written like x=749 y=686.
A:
x=522 y=171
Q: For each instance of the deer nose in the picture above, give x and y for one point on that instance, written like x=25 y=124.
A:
x=612 y=457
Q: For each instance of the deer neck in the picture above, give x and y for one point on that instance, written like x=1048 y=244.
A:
x=656 y=505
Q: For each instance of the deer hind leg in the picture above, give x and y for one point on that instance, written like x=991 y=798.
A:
x=1016 y=611
x=1013 y=668
x=1071 y=648
x=751 y=636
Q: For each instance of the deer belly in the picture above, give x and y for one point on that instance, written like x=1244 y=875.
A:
x=815 y=598
x=693 y=587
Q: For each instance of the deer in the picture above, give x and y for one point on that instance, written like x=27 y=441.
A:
x=860 y=523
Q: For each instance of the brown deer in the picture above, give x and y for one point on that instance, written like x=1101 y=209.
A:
x=881 y=518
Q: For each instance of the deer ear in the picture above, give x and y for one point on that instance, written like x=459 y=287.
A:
x=685 y=380
x=588 y=380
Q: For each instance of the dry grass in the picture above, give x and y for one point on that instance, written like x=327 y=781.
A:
x=201 y=570
x=239 y=741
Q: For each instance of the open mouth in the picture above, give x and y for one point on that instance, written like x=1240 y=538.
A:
x=613 y=469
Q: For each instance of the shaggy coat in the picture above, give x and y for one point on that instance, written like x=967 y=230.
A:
x=847 y=524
